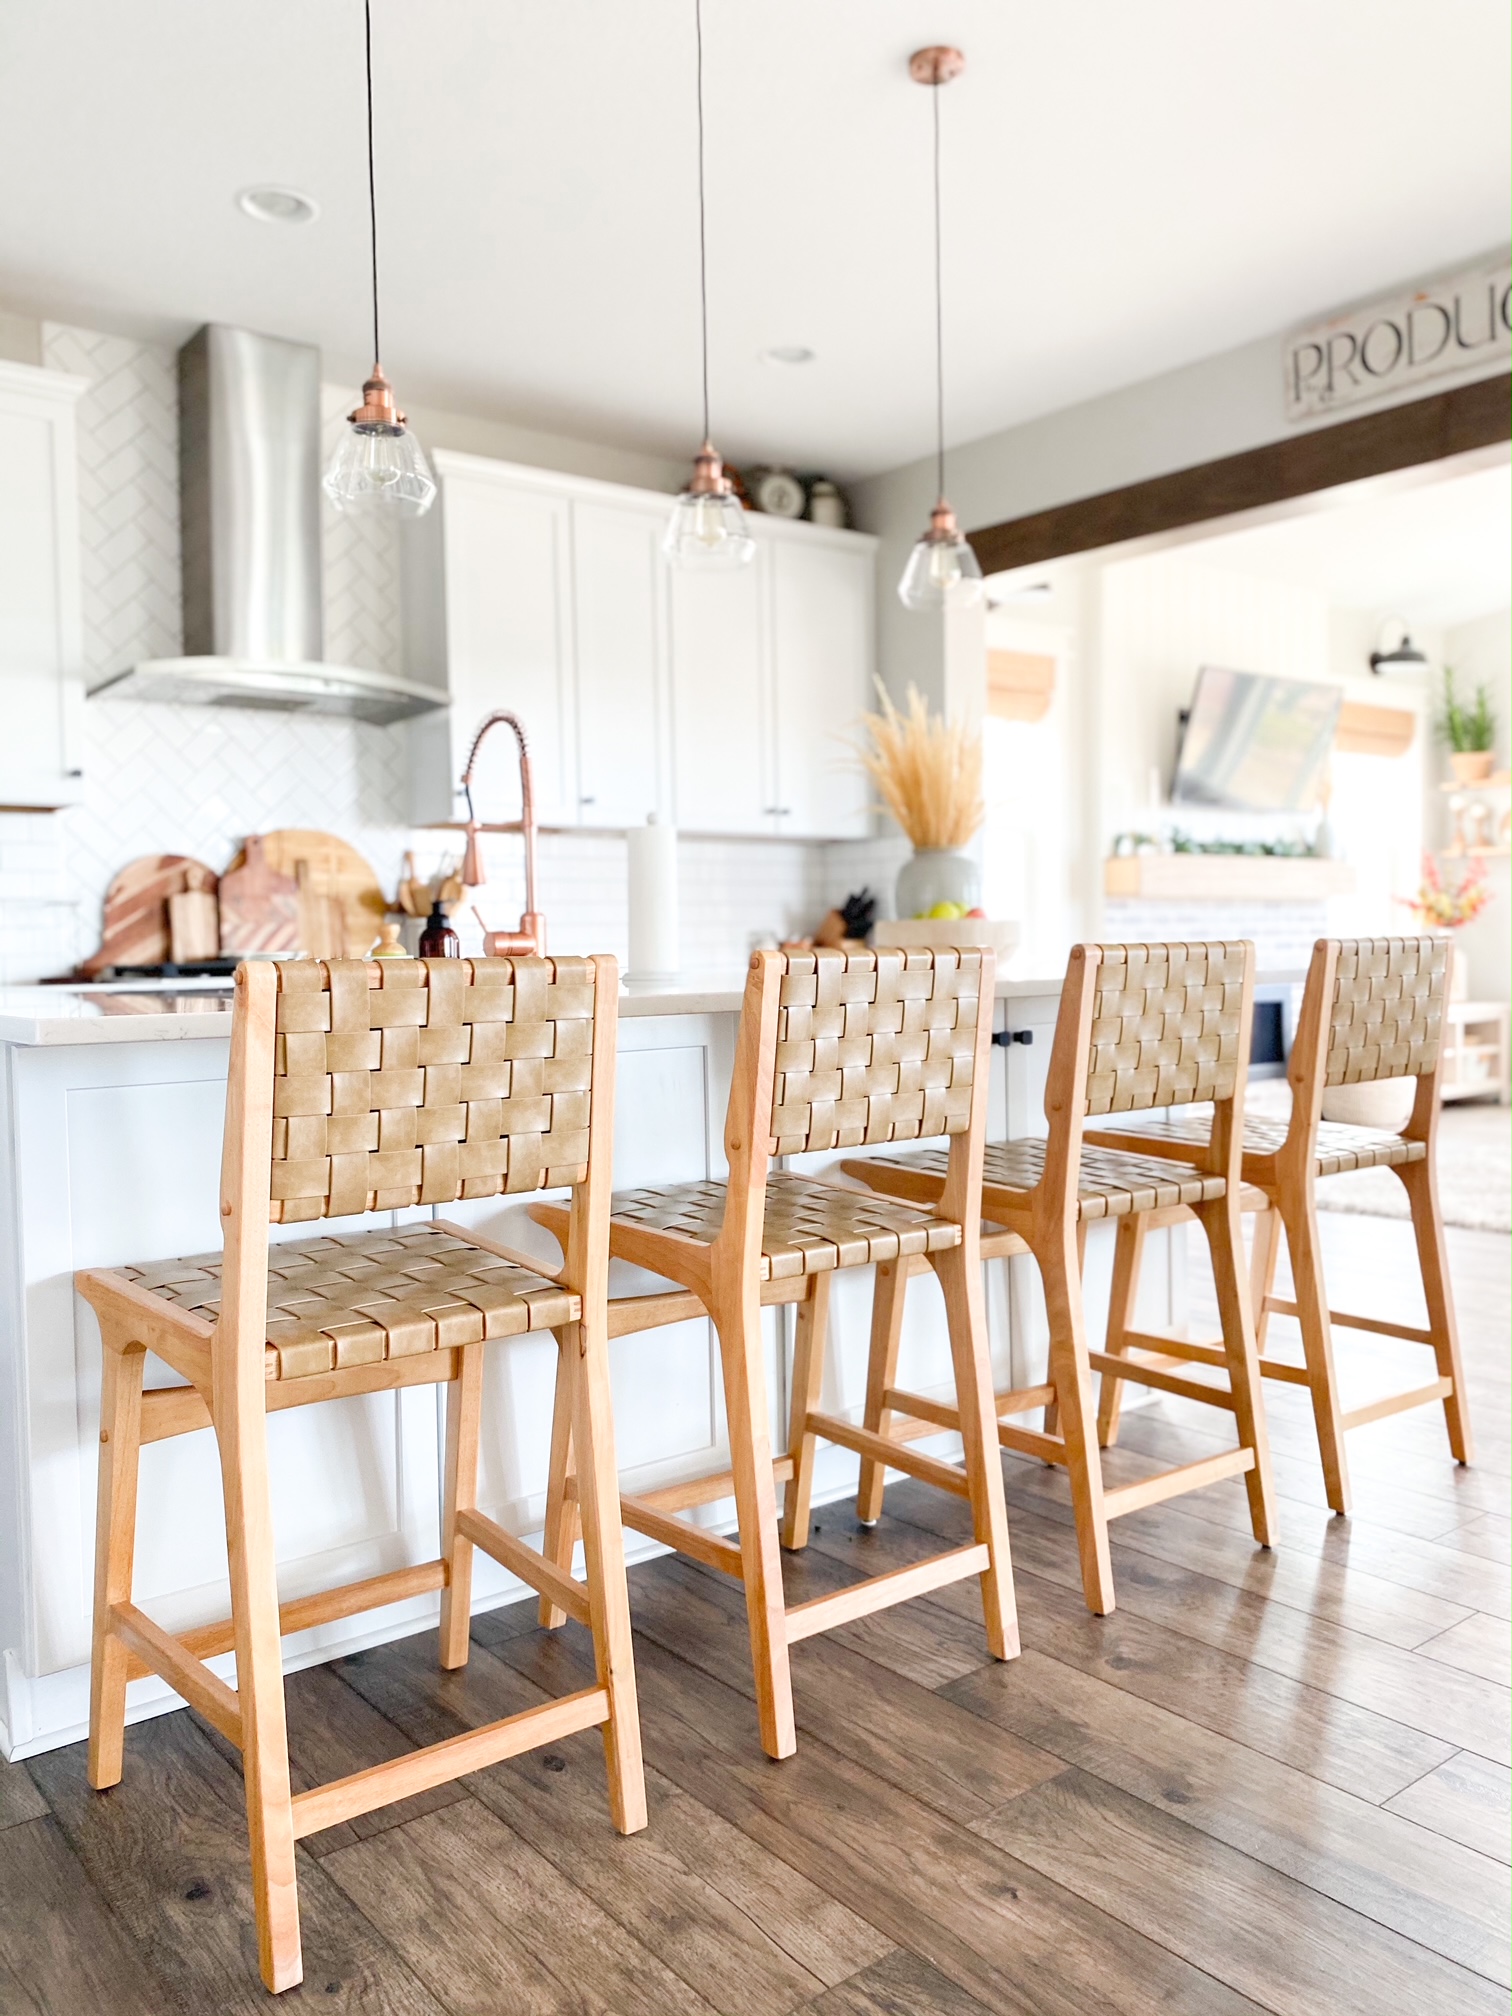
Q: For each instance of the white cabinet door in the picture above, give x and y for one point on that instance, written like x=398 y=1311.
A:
x=488 y=595
x=821 y=602
x=41 y=643
x=720 y=708
x=620 y=621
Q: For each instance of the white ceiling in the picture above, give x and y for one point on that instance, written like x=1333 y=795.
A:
x=1434 y=554
x=1128 y=187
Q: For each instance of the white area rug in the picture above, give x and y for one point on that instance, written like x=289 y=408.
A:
x=1474 y=1166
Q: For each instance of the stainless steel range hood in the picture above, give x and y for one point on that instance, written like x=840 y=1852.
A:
x=249 y=475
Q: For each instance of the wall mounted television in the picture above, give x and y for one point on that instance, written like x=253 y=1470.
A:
x=1253 y=743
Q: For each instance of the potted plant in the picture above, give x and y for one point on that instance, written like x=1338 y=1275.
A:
x=1470 y=733
x=929 y=772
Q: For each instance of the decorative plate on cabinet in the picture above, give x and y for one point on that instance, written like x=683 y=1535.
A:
x=779 y=494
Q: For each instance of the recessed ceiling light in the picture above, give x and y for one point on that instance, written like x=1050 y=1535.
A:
x=271 y=204
x=787 y=353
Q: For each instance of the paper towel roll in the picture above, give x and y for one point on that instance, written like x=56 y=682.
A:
x=653 y=901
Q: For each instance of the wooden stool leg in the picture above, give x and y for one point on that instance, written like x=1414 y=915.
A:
x=738 y=1321
x=464 y=1407
x=1300 y=1218
x=115 y=1549
x=1264 y=1253
x=243 y=1440
x=1061 y=1273
x=1223 y=1225
x=808 y=1378
x=560 y=1538
x=971 y=1357
x=1421 y=1182
x=889 y=1293
x=604 y=1555
x=1128 y=1255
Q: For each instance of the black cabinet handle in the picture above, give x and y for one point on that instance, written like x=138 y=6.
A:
x=1003 y=1037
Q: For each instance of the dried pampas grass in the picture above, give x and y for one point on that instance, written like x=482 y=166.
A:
x=928 y=770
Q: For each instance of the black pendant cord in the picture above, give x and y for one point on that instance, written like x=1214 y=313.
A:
x=367 y=22
x=939 y=311
x=703 y=240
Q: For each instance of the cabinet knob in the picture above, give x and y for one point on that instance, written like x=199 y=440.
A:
x=587 y=801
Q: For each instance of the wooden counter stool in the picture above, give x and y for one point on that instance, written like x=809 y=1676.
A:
x=1140 y=1026
x=357 y=1087
x=1372 y=1009
x=834 y=1051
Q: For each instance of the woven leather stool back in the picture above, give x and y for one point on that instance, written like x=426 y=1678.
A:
x=1166 y=1025
x=874 y=1047
x=406 y=1081
x=1387 y=1017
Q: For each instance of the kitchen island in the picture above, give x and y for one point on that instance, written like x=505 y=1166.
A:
x=114 y=1102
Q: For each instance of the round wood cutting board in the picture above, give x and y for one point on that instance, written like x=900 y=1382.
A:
x=341 y=903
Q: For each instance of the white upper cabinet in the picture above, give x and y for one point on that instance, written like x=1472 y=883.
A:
x=487 y=613
x=720 y=710
x=821 y=659
x=41 y=629
x=722 y=701
x=620 y=617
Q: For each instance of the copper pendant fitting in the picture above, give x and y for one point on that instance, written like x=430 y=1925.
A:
x=377 y=408
x=938 y=64
x=709 y=479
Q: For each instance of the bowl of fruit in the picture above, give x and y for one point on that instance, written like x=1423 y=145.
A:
x=947 y=927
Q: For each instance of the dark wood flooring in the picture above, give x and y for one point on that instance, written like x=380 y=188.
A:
x=1269 y=1782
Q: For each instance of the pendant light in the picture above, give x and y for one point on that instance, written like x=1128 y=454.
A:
x=378 y=466
x=942 y=567
x=707 y=529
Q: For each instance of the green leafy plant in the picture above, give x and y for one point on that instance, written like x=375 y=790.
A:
x=1469 y=731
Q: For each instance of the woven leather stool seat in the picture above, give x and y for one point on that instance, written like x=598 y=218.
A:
x=809 y=1228
x=358 y=1298
x=1112 y=1183
x=1339 y=1149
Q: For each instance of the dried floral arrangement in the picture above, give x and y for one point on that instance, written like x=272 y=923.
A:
x=1446 y=909
x=928 y=770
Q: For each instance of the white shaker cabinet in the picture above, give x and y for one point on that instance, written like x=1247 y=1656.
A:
x=723 y=701
x=620 y=616
x=487 y=612
x=721 y=716
x=41 y=630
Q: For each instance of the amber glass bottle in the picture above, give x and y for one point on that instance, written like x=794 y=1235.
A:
x=438 y=940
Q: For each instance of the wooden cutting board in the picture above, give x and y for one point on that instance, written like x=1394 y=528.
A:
x=135 y=930
x=340 y=905
x=259 y=907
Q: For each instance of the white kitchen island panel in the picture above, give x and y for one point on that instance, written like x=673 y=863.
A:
x=111 y=1154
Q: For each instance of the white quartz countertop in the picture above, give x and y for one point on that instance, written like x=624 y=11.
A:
x=176 y=1010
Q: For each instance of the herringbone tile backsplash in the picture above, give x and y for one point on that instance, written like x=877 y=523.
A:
x=195 y=780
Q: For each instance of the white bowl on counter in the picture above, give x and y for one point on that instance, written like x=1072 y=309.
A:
x=946 y=934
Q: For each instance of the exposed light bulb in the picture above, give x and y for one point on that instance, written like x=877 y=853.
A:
x=707 y=528
x=378 y=465
x=942 y=567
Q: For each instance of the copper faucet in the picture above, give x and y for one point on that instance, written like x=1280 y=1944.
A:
x=530 y=939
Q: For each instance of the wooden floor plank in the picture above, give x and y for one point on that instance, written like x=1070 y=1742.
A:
x=19 y=1798
x=333 y=1732
x=1356 y=1749
x=167 y=1850
x=900 y=1985
x=62 y=1953
x=496 y=1928
x=1467 y=1799
x=889 y=1724
x=1444 y=1896
x=986 y=1921
x=724 y=1916
x=1481 y=1645
x=1489 y=1536
x=1270 y=1938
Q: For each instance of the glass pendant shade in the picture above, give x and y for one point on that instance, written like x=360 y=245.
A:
x=707 y=528
x=379 y=466
x=942 y=569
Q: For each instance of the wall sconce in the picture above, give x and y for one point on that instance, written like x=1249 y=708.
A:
x=1395 y=650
